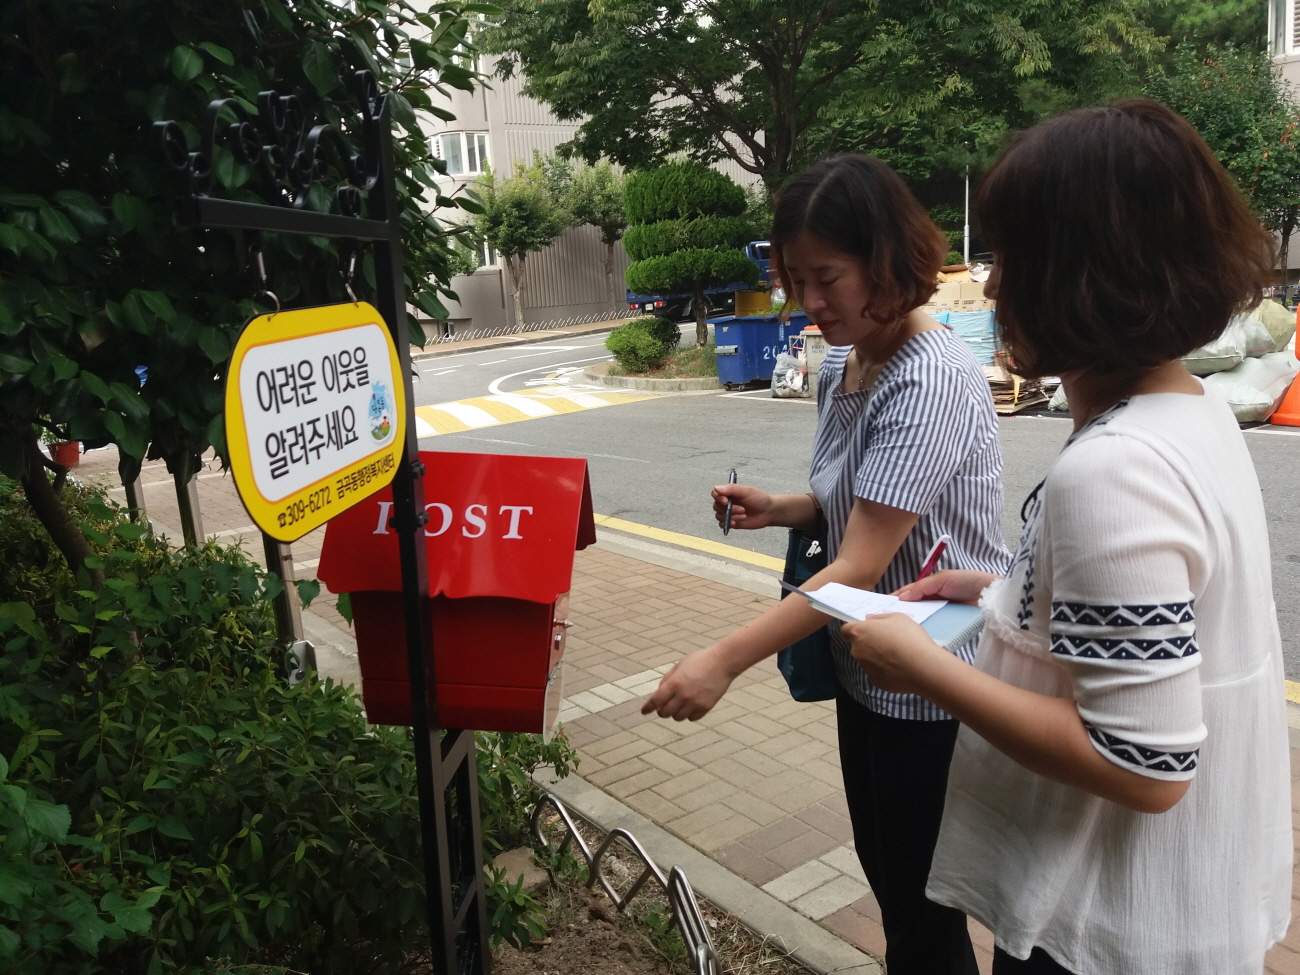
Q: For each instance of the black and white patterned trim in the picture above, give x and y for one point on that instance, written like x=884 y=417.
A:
x=1124 y=614
x=1141 y=757
x=1171 y=648
x=1031 y=517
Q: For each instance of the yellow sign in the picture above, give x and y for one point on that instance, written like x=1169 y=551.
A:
x=315 y=415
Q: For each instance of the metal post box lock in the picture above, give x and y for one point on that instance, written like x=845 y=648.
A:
x=500 y=537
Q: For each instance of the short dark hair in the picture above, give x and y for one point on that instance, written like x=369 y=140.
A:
x=860 y=206
x=1122 y=243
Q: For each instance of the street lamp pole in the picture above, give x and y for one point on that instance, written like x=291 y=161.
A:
x=965 y=247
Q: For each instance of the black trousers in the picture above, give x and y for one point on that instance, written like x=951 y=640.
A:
x=1039 y=962
x=895 y=774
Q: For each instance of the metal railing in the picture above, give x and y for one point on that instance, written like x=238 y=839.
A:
x=686 y=911
x=611 y=315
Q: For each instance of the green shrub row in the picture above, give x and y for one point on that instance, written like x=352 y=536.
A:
x=168 y=799
x=643 y=343
x=664 y=273
x=681 y=191
x=642 y=240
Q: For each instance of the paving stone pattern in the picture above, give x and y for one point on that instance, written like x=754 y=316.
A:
x=755 y=784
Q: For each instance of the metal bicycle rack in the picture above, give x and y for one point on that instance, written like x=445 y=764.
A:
x=686 y=911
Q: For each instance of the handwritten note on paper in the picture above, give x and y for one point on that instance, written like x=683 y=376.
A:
x=849 y=604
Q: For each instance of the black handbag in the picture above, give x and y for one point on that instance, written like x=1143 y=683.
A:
x=806 y=665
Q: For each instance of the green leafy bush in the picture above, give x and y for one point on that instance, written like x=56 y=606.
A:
x=665 y=330
x=954 y=257
x=681 y=191
x=190 y=804
x=665 y=273
x=636 y=347
x=644 y=240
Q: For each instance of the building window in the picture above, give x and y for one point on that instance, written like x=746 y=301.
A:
x=1283 y=27
x=487 y=254
x=465 y=153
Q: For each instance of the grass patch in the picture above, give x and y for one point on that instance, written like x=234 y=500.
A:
x=692 y=362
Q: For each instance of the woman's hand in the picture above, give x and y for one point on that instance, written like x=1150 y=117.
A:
x=894 y=651
x=954 y=585
x=751 y=507
x=689 y=691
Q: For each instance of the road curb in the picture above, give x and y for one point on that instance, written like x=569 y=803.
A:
x=807 y=941
x=522 y=338
x=594 y=374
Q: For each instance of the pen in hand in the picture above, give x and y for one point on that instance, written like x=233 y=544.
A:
x=933 y=556
x=726 y=518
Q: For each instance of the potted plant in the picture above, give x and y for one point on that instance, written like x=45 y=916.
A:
x=65 y=453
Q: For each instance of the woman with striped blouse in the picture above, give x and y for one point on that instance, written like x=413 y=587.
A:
x=906 y=450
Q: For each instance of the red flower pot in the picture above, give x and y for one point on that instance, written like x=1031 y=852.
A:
x=66 y=454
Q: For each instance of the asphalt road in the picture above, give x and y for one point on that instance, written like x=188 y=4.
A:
x=653 y=462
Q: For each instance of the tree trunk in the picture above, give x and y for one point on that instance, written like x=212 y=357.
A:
x=187 y=501
x=701 y=317
x=515 y=265
x=1288 y=227
x=49 y=509
x=615 y=300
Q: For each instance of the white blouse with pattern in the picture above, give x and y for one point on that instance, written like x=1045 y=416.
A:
x=1142 y=588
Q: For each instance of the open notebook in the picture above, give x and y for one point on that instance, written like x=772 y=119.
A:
x=949 y=624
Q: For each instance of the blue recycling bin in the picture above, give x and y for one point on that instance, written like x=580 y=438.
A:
x=747 y=346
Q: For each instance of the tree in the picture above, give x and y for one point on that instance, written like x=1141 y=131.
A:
x=595 y=197
x=687 y=224
x=1249 y=118
x=770 y=84
x=520 y=216
x=97 y=277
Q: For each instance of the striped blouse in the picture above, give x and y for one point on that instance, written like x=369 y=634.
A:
x=924 y=439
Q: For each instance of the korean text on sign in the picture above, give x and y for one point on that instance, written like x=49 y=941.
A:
x=316 y=404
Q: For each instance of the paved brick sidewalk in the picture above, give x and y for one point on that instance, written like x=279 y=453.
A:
x=755 y=784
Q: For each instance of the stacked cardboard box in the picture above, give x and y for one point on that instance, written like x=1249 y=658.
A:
x=958 y=296
x=1011 y=394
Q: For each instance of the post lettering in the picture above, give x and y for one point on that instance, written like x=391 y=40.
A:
x=382 y=527
x=515 y=511
x=476 y=520
x=446 y=518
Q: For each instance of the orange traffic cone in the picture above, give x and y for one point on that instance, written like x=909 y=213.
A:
x=1288 y=414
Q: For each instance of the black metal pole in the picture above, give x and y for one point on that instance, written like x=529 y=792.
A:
x=456 y=903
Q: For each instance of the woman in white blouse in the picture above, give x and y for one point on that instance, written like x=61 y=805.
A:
x=1119 y=799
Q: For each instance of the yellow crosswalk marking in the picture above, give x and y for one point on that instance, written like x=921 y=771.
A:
x=478 y=412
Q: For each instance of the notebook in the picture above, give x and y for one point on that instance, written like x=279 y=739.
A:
x=950 y=624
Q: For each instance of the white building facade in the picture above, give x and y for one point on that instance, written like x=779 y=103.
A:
x=498 y=126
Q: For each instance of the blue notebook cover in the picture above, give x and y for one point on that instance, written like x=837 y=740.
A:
x=954 y=625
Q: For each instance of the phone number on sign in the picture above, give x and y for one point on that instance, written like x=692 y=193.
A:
x=298 y=510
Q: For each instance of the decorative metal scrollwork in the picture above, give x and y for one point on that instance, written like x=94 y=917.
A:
x=277 y=144
x=686 y=911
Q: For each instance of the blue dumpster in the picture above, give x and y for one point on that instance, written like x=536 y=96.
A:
x=747 y=347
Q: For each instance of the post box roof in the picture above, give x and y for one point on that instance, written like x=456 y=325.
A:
x=499 y=525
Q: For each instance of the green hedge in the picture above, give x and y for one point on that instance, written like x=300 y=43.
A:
x=170 y=800
x=642 y=240
x=675 y=272
x=681 y=191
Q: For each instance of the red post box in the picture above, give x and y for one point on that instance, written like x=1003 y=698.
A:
x=500 y=540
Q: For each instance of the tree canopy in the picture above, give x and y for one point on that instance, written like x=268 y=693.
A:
x=97 y=276
x=774 y=84
x=595 y=198
x=687 y=228
x=520 y=216
x=1234 y=98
